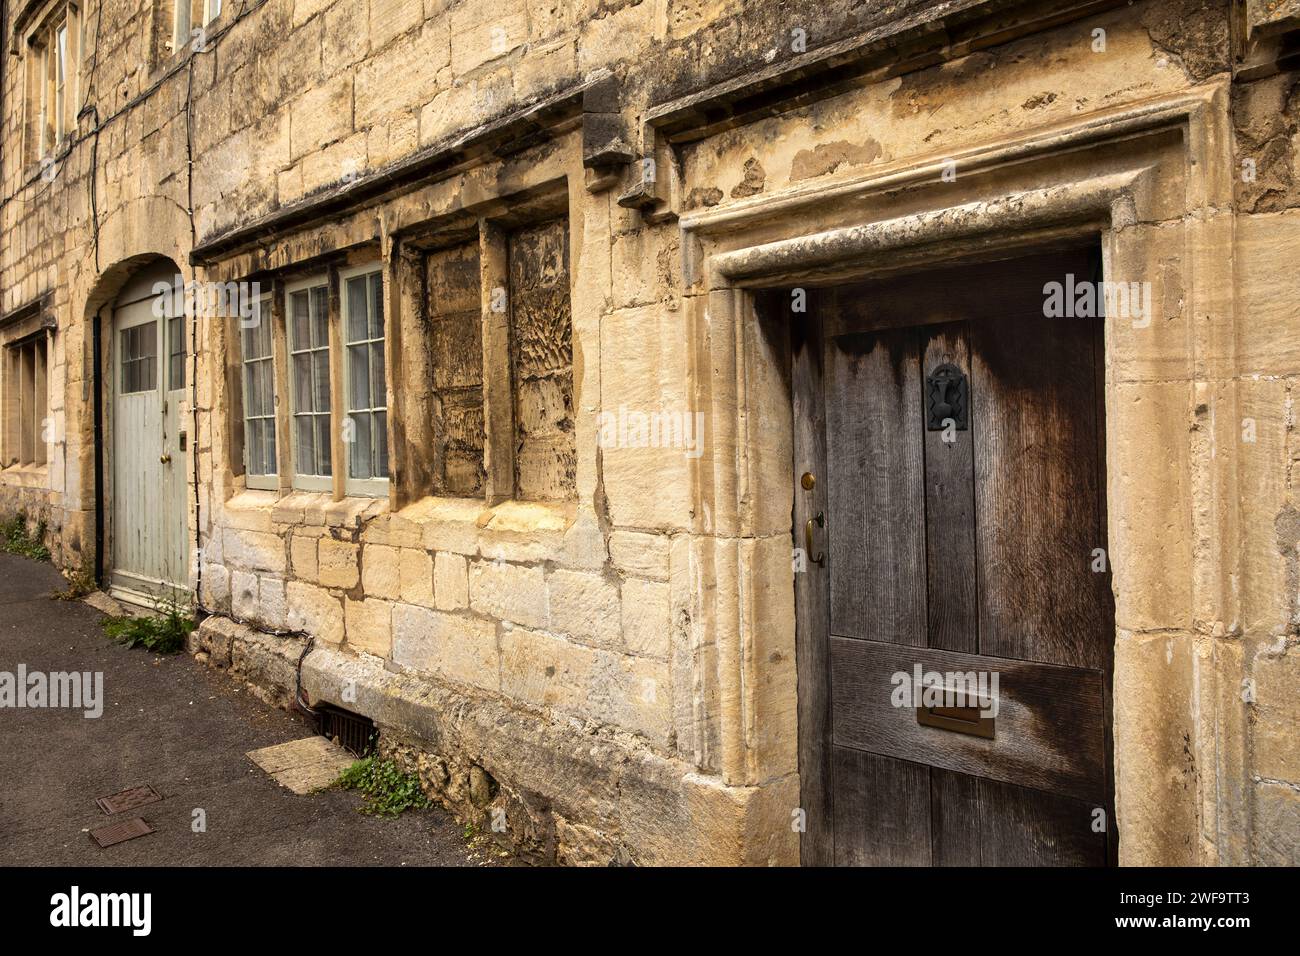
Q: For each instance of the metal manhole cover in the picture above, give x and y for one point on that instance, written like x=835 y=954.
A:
x=129 y=799
x=121 y=831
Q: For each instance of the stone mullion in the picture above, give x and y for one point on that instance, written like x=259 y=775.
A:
x=498 y=397
x=280 y=374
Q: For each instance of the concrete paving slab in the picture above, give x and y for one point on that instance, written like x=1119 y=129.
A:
x=304 y=766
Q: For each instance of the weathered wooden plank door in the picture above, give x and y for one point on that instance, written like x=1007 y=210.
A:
x=954 y=439
x=148 y=377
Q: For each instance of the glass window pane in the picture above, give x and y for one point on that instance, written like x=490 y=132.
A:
x=378 y=382
x=358 y=376
x=377 y=305
x=300 y=320
x=306 y=450
x=255 y=442
x=266 y=446
x=125 y=349
x=176 y=348
x=252 y=392
x=262 y=330
x=324 y=449
x=268 y=453
x=360 y=448
x=320 y=317
x=321 y=377
x=358 y=323
x=266 y=372
x=302 y=382
x=381 y=442
x=257 y=335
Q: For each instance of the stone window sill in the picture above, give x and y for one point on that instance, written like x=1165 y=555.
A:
x=519 y=517
x=26 y=476
x=306 y=507
x=472 y=515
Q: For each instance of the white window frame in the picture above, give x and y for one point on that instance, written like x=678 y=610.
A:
x=269 y=481
x=364 y=487
x=183 y=16
x=180 y=25
x=308 y=482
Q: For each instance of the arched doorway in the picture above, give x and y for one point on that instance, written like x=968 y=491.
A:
x=146 y=373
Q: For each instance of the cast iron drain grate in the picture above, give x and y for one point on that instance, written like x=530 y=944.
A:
x=352 y=731
x=120 y=832
x=129 y=799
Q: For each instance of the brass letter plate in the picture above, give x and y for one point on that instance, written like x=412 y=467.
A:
x=963 y=720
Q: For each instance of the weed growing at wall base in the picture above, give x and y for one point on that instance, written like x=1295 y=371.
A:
x=388 y=792
x=160 y=635
x=15 y=539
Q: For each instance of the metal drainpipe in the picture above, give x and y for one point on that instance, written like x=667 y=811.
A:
x=97 y=384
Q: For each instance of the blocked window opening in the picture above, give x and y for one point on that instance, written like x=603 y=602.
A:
x=541 y=362
x=455 y=326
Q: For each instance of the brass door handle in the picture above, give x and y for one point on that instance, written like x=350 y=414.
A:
x=165 y=459
x=820 y=519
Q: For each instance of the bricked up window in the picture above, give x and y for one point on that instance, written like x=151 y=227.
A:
x=456 y=327
x=541 y=359
x=501 y=347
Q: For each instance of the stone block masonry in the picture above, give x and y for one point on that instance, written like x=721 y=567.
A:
x=478 y=230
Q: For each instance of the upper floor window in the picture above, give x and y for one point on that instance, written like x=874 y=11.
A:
x=53 y=80
x=192 y=14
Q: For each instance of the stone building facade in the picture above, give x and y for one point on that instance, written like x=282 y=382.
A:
x=547 y=545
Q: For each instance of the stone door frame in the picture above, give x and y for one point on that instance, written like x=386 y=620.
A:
x=1153 y=181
